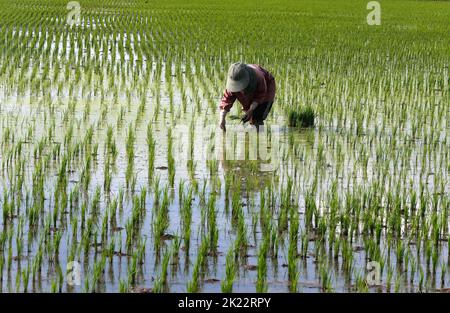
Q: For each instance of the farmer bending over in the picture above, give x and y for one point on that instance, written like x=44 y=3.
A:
x=254 y=87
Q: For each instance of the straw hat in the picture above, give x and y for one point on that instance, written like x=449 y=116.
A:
x=238 y=77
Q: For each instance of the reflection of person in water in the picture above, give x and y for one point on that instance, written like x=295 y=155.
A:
x=247 y=166
x=254 y=87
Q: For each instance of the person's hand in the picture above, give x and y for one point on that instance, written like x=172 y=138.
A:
x=222 y=120
x=247 y=117
x=249 y=114
x=222 y=125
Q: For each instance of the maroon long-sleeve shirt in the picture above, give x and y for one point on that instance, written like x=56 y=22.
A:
x=265 y=91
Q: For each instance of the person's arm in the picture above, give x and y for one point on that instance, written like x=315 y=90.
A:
x=222 y=123
x=225 y=106
x=227 y=101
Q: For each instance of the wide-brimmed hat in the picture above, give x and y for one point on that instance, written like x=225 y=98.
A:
x=238 y=77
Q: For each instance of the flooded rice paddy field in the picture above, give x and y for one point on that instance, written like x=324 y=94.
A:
x=113 y=167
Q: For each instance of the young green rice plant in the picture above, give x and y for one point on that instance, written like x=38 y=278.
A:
x=389 y=278
x=54 y=286
x=170 y=158
x=133 y=270
x=25 y=278
x=162 y=219
x=361 y=283
x=56 y=244
x=194 y=284
x=130 y=156
x=10 y=249
x=124 y=286
x=186 y=219
x=301 y=117
x=151 y=144
x=236 y=206
x=95 y=204
x=400 y=252
x=292 y=250
x=113 y=213
x=310 y=208
x=261 y=280
x=161 y=282
x=397 y=284
x=325 y=277
x=176 y=243
x=230 y=272
x=111 y=250
x=107 y=177
x=212 y=224
x=412 y=271
x=304 y=245
x=241 y=236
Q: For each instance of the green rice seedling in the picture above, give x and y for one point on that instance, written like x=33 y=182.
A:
x=132 y=270
x=95 y=204
x=304 y=245
x=124 y=287
x=175 y=252
x=389 y=278
x=10 y=250
x=170 y=158
x=293 y=250
x=261 y=281
x=187 y=219
x=54 y=286
x=193 y=284
x=400 y=252
x=107 y=176
x=361 y=283
x=230 y=272
x=242 y=237
x=236 y=202
x=397 y=284
x=212 y=224
x=310 y=209
x=199 y=267
x=104 y=231
x=162 y=219
x=60 y=277
x=25 y=278
x=113 y=213
x=130 y=156
x=56 y=243
x=274 y=242
x=141 y=252
x=301 y=117
x=111 y=250
x=325 y=278
x=151 y=144
x=161 y=281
